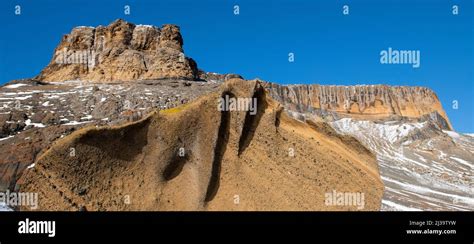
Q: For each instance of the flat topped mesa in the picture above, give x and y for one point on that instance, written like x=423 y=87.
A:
x=121 y=51
x=363 y=101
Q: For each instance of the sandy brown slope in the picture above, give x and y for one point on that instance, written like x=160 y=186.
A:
x=233 y=161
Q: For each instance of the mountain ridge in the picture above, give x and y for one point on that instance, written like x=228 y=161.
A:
x=361 y=101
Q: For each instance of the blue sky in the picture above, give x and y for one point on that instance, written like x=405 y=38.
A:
x=329 y=48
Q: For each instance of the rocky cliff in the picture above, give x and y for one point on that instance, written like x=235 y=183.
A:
x=120 y=51
x=362 y=101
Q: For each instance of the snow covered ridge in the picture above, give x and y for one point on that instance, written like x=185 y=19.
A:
x=389 y=131
x=422 y=167
x=454 y=134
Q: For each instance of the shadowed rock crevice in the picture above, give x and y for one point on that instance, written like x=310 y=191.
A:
x=252 y=120
x=175 y=166
x=278 y=118
x=220 y=148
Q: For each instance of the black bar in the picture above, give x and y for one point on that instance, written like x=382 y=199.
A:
x=239 y=226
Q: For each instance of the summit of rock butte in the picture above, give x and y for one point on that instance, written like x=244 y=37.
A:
x=121 y=51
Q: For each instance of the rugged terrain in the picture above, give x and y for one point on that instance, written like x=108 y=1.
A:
x=423 y=163
x=33 y=115
x=423 y=167
x=121 y=119
x=268 y=161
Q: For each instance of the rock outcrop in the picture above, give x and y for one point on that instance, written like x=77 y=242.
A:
x=120 y=51
x=33 y=115
x=362 y=101
x=196 y=157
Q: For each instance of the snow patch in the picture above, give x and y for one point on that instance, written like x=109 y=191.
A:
x=391 y=133
x=28 y=122
x=4 y=208
x=5 y=138
x=87 y=117
x=452 y=133
x=397 y=207
x=77 y=123
x=144 y=26
x=14 y=86
x=464 y=162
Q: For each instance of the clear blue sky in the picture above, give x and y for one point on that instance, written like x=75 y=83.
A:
x=329 y=48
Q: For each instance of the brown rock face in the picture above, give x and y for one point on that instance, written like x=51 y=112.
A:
x=195 y=157
x=120 y=51
x=362 y=101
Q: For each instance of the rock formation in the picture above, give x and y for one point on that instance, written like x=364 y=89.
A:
x=155 y=140
x=194 y=157
x=362 y=101
x=120 y=51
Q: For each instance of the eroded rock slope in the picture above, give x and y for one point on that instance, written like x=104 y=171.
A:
x=194 y=157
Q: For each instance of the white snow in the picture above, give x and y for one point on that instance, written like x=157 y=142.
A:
x=5 y=138
x=424 y=190
x=28 y=122
x=13 y=86
x=398 y=207
x=77 y=123
x=87 y=117
x=4 y=208
x=461 y=161
x=452 y=133
x=16 y=98
x=30 y=166
x=391 y=133
x=144 y=26
x=82 y=26
x=413 y=179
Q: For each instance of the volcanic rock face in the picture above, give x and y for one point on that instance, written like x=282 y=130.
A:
x=120 y=51
x=362 y=101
